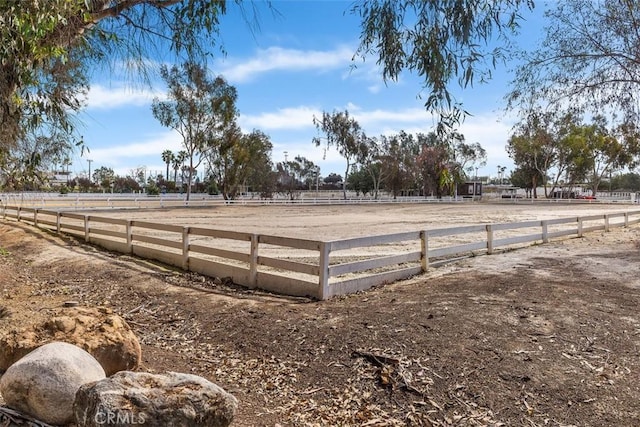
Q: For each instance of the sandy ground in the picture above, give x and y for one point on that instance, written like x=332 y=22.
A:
x=542 y=336
x=337 y=222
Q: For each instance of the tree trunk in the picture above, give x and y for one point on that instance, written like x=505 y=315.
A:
x=9 y=114
x=344 y=181
x=190 y=178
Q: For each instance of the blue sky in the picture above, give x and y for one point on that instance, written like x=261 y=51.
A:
x=297 y=65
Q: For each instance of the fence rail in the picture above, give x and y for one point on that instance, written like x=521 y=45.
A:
x=302 y=267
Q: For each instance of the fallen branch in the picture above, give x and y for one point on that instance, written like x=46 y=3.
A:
x=379 y=360
x=8 y=415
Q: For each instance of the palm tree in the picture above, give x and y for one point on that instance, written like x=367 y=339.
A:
x=177 y=162
x=182 y=157
x=167 y=157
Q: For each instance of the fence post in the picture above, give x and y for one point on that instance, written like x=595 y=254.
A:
x=86 y=228
x=129 y=232
x=185 y=248
x=580 y=226
x=489 y=239
x=424 y=257
x=606 y=223
x=253 y=261
x=545 y=231
x=323 y=277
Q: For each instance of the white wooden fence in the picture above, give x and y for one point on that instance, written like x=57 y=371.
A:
x=302 y=267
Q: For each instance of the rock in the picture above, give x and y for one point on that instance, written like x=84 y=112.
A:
x=97 y=330
x=171 y=399
x=44 y=383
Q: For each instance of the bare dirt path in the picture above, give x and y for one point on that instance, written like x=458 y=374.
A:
x=542 y=336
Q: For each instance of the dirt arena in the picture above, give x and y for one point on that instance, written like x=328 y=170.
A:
x=332 y=222
x=542 y=336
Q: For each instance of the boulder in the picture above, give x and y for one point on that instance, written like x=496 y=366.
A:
x=44 y=383
x=171 y=399
x=99 y=331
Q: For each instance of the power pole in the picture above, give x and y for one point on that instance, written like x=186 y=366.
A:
x=89 y=161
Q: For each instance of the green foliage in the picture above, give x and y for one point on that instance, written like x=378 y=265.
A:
x=361 y=182
x=152 y=189
x=199 y=108
x=342 y=131
x=105 y=177
x=239 y=161
x=439 y=40
x=46 y=47
x=27 y=166
x=625 y=182
x=398 y=155
x=332 y=178
x=588 y=60
x=575 y=151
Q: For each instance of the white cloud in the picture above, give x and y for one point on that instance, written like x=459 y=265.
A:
x=106 y=98
x=379 y=117
x=282 y=59
x=284 y=118
x=123 y=158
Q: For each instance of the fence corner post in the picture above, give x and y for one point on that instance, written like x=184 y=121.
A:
x=129 y=233
x=424 y=257
x=580 y=227
x=545 y=231
x=253 y=261
x=86 y=228
x=489 y=239
x=185 y=248
x=323 y=277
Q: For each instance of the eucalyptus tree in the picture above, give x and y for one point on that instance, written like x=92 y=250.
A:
x=344 y=132
x=435 y=162
x=105 y=177
x=441 y=41
x=237 y=160
x=360 y=181
x=287 y=181
x=369 y=158
x=609 y=149
x=45 y=45
x=398 y=161
x=198 y=108
x=533 y=145
x=26 y=166
x=469 y=156
x=527 y=177
x=589 y=59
